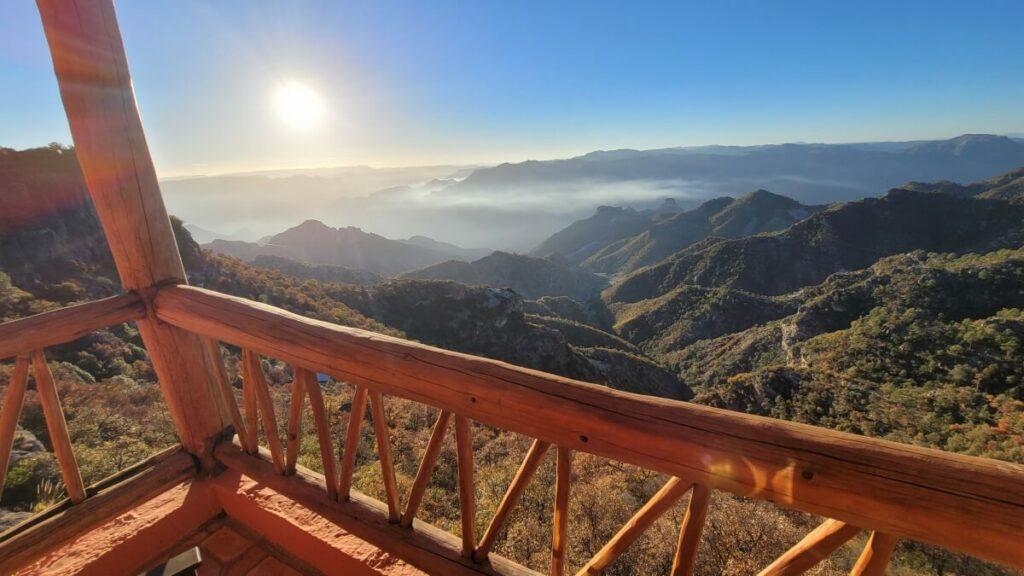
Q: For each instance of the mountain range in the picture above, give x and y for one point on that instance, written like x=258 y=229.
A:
x=754 y=213
x=315 y=243
x=514 y=206
x=814 y=173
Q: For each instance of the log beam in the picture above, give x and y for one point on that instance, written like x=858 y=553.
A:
x=46 y=329
x=92 y=72
x=964 y=503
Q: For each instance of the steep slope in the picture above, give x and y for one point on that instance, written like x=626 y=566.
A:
x=754 y=213
x=531 y=277
x=844 y=237
x=688 y=314
x=917 y=348
x=1009 y=186
x=321 y=272
x=583 y=238
x=314 y=242
x=490 y=322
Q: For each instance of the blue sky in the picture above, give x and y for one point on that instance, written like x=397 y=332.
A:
x=462 y=82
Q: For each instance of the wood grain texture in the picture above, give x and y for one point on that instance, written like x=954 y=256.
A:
x=670 y=493
x=426 y=468
x=690 y=530
x=812 y=549
x=14 y=400
x=467 y=490
x=265 y=402
x=108 y=499
x=291 y=452
x=351 y=448
x=91 y=66
x=57 y=428
x=424 y=546
x=963 y=503
x=323 y=429
x=46 y=329
x=387 y=464
x=515 y=491
x=875 y=557
x=227 y=394
x=560 y=515
x=252 y=417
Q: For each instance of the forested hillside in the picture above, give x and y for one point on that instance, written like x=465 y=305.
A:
x=899 y=317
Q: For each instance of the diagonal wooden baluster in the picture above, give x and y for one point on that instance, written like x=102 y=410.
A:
x=467 y=497
x=13 y=402
x=690 y=531
x=875 y=557
x=348 y=461
x=812 y=549
x=511 y=498
x=261 y=390
x=669 y=494
x=419 y=485
x=57 y=427
x=226 y=394
x=387 y=466
x=323 y=430
x=560 y=522
x=291 y=452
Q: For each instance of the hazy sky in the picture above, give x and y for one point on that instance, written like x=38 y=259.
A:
x=481 y=81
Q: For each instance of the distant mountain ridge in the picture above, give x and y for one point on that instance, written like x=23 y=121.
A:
x=844 y=237
x=313 y=242
x=528 y=276
x=757 y=212
x=810 y=173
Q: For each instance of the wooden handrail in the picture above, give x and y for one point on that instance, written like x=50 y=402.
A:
x=24 y=335
x=963 y=503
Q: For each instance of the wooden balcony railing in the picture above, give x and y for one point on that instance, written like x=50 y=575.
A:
x=26 y=340
x=895 y=491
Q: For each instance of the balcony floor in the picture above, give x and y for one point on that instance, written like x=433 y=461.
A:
x=230 y=549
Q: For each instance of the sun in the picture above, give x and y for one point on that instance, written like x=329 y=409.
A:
x=298 y=106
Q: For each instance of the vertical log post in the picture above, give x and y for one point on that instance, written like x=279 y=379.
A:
x=467 y=494
x=560 y=520
x=92 y=72
x=291 y=451
x=690 y=531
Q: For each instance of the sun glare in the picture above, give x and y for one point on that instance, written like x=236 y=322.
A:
x=298 y=106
